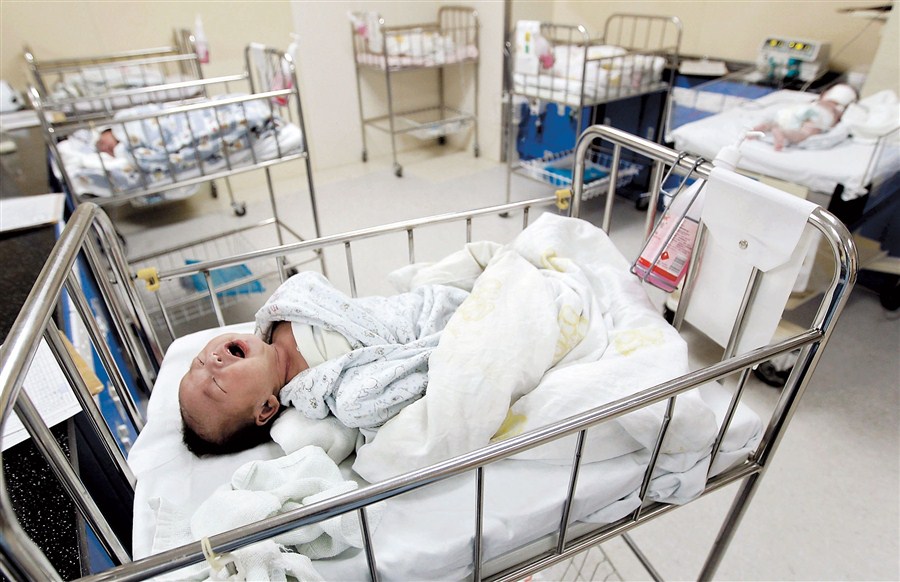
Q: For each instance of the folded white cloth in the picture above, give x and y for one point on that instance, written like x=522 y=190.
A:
x=261 y=489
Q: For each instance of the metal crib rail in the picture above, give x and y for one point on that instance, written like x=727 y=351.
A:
x=19 y=557
x=846 y=263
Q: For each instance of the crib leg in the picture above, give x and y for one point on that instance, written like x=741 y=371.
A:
x=729 y=526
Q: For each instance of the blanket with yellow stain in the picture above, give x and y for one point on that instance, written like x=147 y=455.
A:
x=555 y=325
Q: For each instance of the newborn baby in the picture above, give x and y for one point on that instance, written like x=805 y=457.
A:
x=796 y=123
x=309 y=339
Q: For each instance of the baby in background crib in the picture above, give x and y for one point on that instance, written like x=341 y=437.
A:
x=308 y=338
x=107 y=142
x=795 y=123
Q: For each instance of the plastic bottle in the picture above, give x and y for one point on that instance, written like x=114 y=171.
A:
x=664 y=259
x=200 y=41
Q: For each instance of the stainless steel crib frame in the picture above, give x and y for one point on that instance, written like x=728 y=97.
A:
x=460 y=26
x=21 y=559
x=180 y=58
x=642 y=36
x=283 y=102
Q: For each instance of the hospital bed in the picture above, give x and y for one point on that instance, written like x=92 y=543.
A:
x=448 y=46
x=97 y=86
x=846 y=159
x=560 y=71
x=578 y=468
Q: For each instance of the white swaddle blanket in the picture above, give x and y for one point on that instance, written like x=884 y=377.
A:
x=555 y=325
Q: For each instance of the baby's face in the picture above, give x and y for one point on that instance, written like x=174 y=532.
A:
x=230 y=377
x=107 y=143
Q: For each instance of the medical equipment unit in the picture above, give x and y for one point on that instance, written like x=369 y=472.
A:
x=782 y=58
x=117 y=80
x=562 y=78
x=448 y=46
x=477 y=515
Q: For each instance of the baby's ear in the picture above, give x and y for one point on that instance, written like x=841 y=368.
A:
x=267 y=411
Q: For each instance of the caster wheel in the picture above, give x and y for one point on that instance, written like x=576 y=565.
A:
x=240 y=209
x=477 y=151
x=442 y=140
x=292 y=271
x=213 y=191
x=365 y=156
x=398 y=171
x=504 y=215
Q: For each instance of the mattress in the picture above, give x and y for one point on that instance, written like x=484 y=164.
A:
x=822 y=169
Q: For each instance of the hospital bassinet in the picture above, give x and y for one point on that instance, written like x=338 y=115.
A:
x=166 y=150
x=496 y=547
x=97 y=86
x=567 y=78
x=448 y=46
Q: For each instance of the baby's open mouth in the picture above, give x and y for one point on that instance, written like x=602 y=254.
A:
x=236 y=350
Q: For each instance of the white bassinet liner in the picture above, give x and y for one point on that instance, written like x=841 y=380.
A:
x=819 y=169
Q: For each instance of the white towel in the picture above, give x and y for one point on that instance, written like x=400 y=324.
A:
x=258 y=490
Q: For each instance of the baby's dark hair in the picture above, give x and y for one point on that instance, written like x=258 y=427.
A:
x=246 y=437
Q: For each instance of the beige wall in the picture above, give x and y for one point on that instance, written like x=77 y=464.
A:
x=728 y=29
x=76 y=29
x=734 y=29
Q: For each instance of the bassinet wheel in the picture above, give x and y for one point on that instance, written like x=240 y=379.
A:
x=477 y=151
x=398 y=170
x=240 y=209
x=365 y=156
x=442 y=140
x=213 y=191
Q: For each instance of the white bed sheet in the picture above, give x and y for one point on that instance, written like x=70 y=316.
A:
x=425 y=534
x=820 y=170
x=432 y=59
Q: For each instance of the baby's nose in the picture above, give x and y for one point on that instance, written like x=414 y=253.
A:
x=215 y=357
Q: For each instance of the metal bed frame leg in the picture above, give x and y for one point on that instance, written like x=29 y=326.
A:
x=642 y=558
x=362 y=117
x=398 y=169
